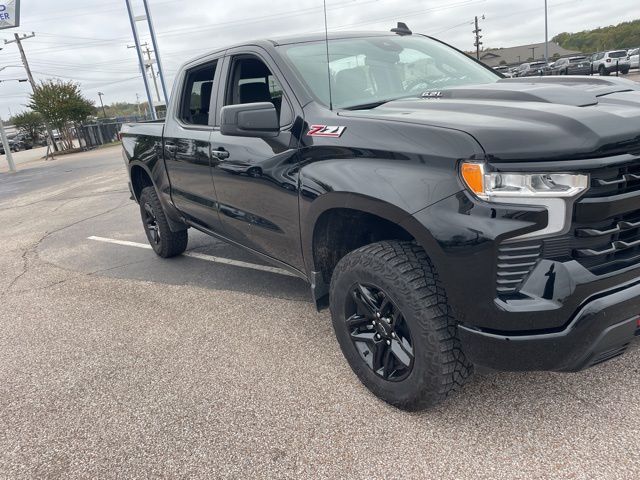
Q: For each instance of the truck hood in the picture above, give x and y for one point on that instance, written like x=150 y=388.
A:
x=545 y=118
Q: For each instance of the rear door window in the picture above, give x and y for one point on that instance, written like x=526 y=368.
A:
x=197 y=93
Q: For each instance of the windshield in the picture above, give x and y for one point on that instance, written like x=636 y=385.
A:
x=377 y=69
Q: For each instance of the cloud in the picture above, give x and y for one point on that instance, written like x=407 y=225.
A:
x=87 y=40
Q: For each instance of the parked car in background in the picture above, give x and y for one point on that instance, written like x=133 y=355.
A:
x=634 y=58
x=23 y=142
x=572 y=66
x=532 y=69
x=12 y=145
x=606 y=63
x=504 y=70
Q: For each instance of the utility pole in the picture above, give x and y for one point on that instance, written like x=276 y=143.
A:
x=100 y=94
x=478 y=43
x=136 y=39
x=149 y=65
x=34 y=87
x=533 y=52
x=153 y=73
x=546 y=32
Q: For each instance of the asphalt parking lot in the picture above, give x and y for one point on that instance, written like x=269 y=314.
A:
x=117 y=364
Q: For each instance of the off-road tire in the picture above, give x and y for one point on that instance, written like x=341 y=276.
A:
x=170 y=243
x=405 y=273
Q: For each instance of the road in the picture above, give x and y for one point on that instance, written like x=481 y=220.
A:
x=117 y=364
x=22 y=157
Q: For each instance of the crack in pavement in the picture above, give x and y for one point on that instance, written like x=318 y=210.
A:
x=33 y=248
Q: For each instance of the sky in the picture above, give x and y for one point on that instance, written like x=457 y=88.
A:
x=86 y=40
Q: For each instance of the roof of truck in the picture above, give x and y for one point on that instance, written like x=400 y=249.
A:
x=303 y=38
x=319 y=37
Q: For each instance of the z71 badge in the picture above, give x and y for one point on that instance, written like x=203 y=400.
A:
x=326 y=131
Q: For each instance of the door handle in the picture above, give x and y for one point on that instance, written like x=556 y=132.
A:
x=220 y=153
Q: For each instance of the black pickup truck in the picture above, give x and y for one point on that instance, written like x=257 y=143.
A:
x=449 y=217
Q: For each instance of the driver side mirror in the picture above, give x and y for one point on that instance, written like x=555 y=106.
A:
x=250 y=120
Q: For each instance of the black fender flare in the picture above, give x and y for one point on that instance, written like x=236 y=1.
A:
x=173 y=215
x=345 y=200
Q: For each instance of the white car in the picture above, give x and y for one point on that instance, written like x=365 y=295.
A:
x=606 y=63
x=504 y=70
x=634 y=57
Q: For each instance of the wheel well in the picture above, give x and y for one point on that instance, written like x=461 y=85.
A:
x=340 y=231
x=139 y=180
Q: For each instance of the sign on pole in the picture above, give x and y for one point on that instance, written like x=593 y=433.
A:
x=9 y=14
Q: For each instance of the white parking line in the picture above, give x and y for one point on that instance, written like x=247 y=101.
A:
x=199 y=256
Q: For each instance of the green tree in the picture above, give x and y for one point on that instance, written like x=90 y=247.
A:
x=62 y=105
x=122 y=109
x=621 y=36
x=30 y=123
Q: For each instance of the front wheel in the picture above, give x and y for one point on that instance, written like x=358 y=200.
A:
x=395 y=327
x=164 y=242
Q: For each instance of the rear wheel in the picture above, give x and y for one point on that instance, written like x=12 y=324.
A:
x=395 y=327
x=602 y=71
x=164 y=242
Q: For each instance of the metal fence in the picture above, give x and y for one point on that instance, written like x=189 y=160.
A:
x=101 y=133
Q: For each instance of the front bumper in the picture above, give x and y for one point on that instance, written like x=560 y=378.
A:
x=602 y=329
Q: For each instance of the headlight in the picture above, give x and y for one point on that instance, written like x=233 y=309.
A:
x=555 y=191
x=495 y=186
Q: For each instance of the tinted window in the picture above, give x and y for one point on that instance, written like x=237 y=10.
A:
x=618 y=54
x=366 y=70
x=251 y=81
x=197 y=93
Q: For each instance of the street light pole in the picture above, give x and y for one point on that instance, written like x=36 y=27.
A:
x=7 y=148
x=156 y=50
x=3 y=135
x=546 y=33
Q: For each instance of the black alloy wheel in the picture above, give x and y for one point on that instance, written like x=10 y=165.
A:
x=394 y=325
x=151 y=224
x=379 y=332
x=164 y=241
